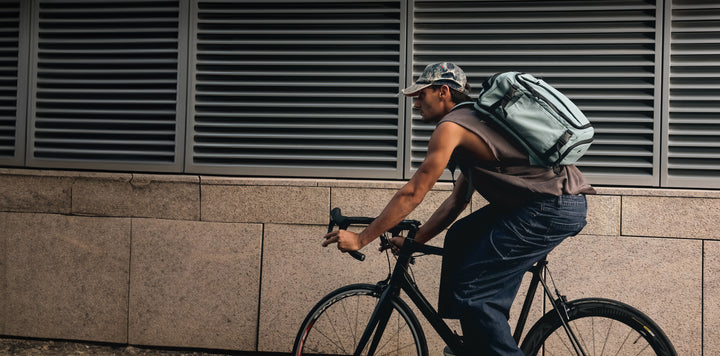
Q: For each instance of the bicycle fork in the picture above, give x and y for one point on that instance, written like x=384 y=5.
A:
x=388 y=289
x=377 y=324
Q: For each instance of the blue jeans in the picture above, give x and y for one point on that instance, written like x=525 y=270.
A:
x=486 y=255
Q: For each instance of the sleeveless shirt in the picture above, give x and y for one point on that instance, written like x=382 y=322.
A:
x=510 y=181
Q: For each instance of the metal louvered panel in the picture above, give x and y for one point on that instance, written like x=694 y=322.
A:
x=298 y=88
x=11 y=132
x=602 y=54
x=106 y=92
x=692 y=153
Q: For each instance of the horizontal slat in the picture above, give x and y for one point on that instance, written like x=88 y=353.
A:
x=100 y=154
x=284 y=156
x=100 y=131
x=108 y=141
x=279 y=136
x=209 y=116
x=341 y=73
x=295 y=126
x=295 y=32
x=304 y=105
x=104 y=111
x=102 y=121
x=304 y=146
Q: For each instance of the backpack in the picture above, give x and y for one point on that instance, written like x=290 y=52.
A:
x=543 y=120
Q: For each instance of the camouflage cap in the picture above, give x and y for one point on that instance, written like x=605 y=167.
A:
x=443 y=73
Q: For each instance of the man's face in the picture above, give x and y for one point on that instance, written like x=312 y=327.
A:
x=428 y=104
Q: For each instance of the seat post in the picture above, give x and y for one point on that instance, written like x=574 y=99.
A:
x=535 y=270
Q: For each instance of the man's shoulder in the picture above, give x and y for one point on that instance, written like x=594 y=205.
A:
x=468 y=117
x=464 y=111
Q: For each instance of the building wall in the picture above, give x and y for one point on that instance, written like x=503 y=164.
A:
x=236 y=263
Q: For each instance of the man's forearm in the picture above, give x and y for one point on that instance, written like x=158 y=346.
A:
x=400 y=206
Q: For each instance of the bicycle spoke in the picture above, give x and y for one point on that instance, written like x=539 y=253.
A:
x=354 y=325
x=581 y=339
x=334 y=341
x=607 y=337
x=562 y=339
x=339 y=347
x=592 y=331
x=623 y=342
x=337 y=335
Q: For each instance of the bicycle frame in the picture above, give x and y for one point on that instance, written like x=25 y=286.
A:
x=400 y=280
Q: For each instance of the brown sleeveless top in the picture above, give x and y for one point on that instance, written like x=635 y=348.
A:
x=510 y=181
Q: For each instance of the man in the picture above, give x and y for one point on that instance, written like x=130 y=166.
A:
x=531 y=210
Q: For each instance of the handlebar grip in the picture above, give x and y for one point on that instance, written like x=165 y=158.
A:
x=357 y=255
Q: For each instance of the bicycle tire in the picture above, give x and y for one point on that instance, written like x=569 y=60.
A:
x=603 y=326
x=336 y=323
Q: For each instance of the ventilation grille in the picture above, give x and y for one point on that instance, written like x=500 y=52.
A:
x=9 y=50
x=107 y=75
x=601 y=54
x=693 y=143
x=297 y=88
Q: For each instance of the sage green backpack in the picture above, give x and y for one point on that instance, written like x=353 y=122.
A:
x=552 y=129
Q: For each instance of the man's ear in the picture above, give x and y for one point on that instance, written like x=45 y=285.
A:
x=445 y=91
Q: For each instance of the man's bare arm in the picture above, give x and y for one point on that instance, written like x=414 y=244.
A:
x=446 y=137
x=442 y=144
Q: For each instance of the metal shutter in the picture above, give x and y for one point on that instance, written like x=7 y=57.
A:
x=13 y=57
x=297 y=88
x=602 y=54
x=691 y=154
x=106 y=91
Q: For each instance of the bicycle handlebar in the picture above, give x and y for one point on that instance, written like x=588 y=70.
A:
x=343 y=222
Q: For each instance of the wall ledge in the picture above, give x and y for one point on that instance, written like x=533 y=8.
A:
x=144 y=178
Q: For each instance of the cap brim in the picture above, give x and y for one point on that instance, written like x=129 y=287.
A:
x=413 y=89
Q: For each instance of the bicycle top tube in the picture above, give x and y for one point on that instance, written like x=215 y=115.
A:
x=411 y=226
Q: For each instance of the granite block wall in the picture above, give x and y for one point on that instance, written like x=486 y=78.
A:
x=236 y=263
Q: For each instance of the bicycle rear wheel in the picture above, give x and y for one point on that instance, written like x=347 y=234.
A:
x=335 y=325
x=603 y=327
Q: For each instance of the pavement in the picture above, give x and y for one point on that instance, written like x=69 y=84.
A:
x=41 y=347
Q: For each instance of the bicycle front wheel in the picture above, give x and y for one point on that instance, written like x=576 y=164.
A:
x=336 y=324
x=602 y=327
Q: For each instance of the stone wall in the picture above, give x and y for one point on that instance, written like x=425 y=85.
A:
x=236 y=263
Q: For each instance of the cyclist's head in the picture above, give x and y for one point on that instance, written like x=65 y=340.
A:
x=438 y=74
x=438 y=89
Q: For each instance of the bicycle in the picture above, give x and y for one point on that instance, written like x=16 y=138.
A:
x=372 y=319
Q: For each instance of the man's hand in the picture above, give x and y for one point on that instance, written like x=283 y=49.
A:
x=346 y=240
x=395 y=243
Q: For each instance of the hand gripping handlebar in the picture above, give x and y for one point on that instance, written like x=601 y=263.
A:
x=343 y=222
